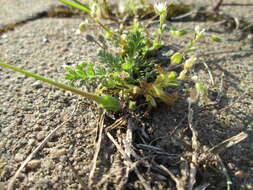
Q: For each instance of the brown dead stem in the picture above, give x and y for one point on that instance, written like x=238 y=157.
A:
x=100 y=128
x=199 y=156
x=128 y=162
x=217 y=5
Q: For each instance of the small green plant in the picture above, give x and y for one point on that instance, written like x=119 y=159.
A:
x=125 y=77
x=126 y=72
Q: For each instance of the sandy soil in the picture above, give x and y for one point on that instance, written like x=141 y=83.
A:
x=30 y=110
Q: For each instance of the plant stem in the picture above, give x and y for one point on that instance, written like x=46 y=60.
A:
x=54 y=83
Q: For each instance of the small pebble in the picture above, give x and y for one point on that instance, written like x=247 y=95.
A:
x=37 y=85
x=45 y=40
x=48 y=164
x=240 y=174
x=57 y=152
x=6 y=130
x=2 y=144
x=31 y=142
x=41 y=135
x=4 y=36
x=19 y=157
x=34 y=164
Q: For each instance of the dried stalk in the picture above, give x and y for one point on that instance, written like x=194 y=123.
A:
x=129 y=162
x=98 y=146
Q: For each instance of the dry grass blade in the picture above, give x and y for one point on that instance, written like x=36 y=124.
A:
x=202 y=187
x=221 y=90
x=128 y=149
x=209 y=73
x=228 y=143
x=12 y=181
x=180 y=184
x=195 y=147
x=98 y=145
x=119 y=122
x=217 y=5
x=129 y=162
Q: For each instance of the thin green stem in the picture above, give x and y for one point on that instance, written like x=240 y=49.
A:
x=105 y=101
x=49 y=81
x=77 y=5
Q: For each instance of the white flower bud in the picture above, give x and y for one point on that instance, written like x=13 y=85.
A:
x=160 y=8
x=189 y=63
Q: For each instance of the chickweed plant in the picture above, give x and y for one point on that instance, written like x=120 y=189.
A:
x=125 y=78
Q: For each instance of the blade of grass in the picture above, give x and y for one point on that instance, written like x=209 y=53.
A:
x=105 y=101
x=77 y=4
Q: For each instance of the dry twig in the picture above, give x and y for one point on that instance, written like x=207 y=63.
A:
x=228 y=143
x=129 y=162
x=209 y=73
x=195 y=149
x=217 y=5
x=98 y=145
x=128 y=149
x=119 y=122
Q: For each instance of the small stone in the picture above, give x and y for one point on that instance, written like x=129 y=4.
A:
x=45 y=40
x=6 y=130
x=31 y=142
x=28 y=91
x=37 y=128
x=4 y=36
x=19 y=157
x=57 y=152
x=231 y=166
x=33 y=164
x=240 y=174
x=37 y=85
x=41 y=135
x=2 y=144
x=55 y=179
x=49 y=164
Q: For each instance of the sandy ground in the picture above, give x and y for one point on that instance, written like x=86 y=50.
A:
x=30 y=110
x=15 y=11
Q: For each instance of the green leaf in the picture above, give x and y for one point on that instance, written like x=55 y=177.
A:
x=113 y=62
x=215 y=38
x=77 y=4
x=172 y=76
x=176 y=58
x=178 y=33
x=200 y=87
x=127 y=66
x=110 y=83
x=132 y=105
x=136 y=44
x=109 y=103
